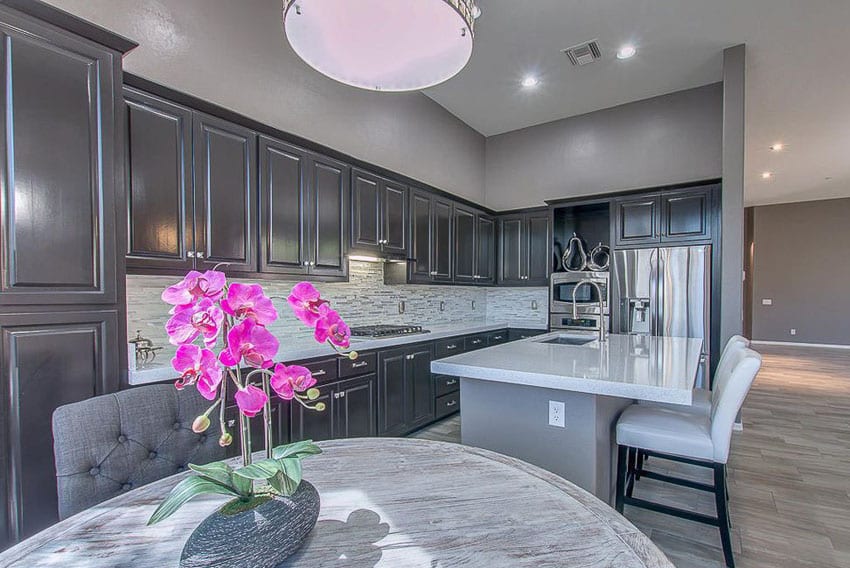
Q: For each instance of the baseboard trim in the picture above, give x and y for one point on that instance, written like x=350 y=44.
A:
x=795 y=344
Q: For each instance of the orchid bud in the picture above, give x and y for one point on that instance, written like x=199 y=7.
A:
x=320 y=406
x=313 y=394
x=225 y=440
x=353 y=355
x=200 y=424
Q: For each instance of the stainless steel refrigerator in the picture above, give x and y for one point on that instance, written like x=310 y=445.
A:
x=664 y=291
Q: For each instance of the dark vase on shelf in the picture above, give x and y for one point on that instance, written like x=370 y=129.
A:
x=259 y=536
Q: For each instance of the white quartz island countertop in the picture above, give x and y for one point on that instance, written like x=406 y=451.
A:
x=660 y=369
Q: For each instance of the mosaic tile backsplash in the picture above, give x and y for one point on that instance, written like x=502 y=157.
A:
x=364 y=300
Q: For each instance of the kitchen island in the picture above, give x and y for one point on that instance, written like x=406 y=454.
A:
x=506 y=391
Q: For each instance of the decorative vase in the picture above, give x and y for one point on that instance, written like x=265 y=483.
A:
x=257 y=537
x=575 y=257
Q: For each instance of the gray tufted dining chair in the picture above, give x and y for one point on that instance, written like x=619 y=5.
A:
x=110 y=444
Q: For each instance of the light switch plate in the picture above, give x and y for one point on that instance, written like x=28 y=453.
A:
x=556 y=414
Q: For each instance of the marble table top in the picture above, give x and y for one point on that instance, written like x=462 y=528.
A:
x=385 y=502
x=660 y=369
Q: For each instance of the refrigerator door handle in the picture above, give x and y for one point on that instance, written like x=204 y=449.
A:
x=653 y=292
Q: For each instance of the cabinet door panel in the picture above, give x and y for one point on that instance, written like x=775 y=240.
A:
x=357 y=407
x=637 y=220
x=420 y=242
x=48 y=359
x=685 y=215
x=330 y=209
x=159 y=182
x=312 y=425
x=365 y=211
x=539 y=258
x=486 y=250
x=441 y=235
x=512 y=270
x=57 y=165
x=392 y=393
x=421 y=388
x=395 y=218
x=465 y=245
x=225 y=194
x=283 y=207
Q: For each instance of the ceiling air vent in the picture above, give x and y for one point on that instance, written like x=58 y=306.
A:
x=583 y=53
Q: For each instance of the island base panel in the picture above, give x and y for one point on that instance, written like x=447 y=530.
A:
x=514 y=420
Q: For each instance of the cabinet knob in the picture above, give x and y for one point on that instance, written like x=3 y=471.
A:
x=190 y=253
x=336 y=395
x=342 y=394
x=433 y=273
x=199 y=254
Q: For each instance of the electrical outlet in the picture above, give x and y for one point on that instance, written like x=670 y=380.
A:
x=401 y=307
x=793 y=331
x=767 y=301
x=556 y=414
x=533 y=304
x=473 y=304
x=442 y=306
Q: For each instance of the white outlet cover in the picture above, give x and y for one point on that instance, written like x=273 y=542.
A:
x=556 y=414
x=793 y=331
x=767 y=301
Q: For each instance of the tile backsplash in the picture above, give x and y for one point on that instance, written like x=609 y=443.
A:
x=364 y=300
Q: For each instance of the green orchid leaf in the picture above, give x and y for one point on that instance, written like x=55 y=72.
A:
x=283 y=484
x=217 y=471
x=297 y=450
x=185 y=490
x=261 y=470
x=291 y=468
x=243 y=485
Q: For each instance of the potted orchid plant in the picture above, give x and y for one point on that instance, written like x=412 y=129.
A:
x=208 y=313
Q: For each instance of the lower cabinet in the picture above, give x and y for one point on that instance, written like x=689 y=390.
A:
x=350 y=411
x=405 y=390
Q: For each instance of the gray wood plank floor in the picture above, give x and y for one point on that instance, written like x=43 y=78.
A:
x=789 y=472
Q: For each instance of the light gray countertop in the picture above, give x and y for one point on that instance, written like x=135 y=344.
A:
x=384 y=502
x=164 y=372
x=661 y=369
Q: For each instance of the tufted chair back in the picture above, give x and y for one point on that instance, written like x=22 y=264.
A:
x=110 y=444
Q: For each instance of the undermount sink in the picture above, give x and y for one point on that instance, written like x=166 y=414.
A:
x=567 y=340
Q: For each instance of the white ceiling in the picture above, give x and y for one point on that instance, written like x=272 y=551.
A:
x=798 y=74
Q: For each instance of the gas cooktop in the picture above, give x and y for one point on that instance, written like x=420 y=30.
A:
x=381 y=331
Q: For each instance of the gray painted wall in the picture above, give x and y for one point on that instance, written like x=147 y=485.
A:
x=801 y=260
x=663 y=140
x=234 y=54
x=732 y=215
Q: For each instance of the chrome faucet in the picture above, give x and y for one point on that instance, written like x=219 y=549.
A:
x=601 y=295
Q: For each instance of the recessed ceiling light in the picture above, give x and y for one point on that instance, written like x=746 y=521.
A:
x=530 y=81
x=626 y=51
x=778 y=147
x=766 y=175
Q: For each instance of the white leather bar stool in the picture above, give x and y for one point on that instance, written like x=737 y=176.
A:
x=687 y=437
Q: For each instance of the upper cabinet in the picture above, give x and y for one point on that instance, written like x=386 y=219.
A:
x=524 y=241
x=431 y=242
x=474 y=250
x=378 y=214
x=177 y=221
x=678 y=215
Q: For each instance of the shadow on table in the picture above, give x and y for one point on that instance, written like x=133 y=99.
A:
x=343 y=544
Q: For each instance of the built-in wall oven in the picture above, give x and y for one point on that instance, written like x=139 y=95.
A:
x=587 y=298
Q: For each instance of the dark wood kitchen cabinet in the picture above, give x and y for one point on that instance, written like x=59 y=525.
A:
x=350 y=411
x=378 y=214
x=474 y=250
x=637 y=220
x=485 y=249
x=303 y=205
x=524 y=241
x=430 y=241
x=670 y=216
x=405 y=390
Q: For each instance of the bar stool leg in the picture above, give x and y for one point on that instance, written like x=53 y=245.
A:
x=622 y=457
x=640 y=459
x=722 y=503
x=631 y=475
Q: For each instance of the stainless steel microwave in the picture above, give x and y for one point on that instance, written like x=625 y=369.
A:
x=563 y=284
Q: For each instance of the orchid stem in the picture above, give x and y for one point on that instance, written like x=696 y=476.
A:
x=267 y=416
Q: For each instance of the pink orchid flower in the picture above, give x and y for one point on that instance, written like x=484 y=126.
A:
x=190 y=321
x=197 y=366
x=287 y=380
x=248 y=301
x=250 y=400
x=195 y=286
x=331 y=327
x=252 y=342
x=306 y=301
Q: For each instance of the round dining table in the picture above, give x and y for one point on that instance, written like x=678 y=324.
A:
x=384 y=502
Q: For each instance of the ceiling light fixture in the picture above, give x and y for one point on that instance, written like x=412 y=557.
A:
x=382 y=45
x=530 y=81
x=626 y=51
x=778 y=147
x=766 y=175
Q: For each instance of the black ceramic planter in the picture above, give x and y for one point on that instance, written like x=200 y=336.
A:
x=260 y=537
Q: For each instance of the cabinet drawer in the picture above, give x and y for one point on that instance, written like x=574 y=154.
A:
x=363 y=365
x=448 y=404
x=324 y=370
x=445 y=384
x=448 y=347
x=497 y=337
x=475 y=342
x=517 y=334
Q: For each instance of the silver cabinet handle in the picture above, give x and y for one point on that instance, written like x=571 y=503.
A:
x=336 y=395
x=305 y=263
x=476 y=341
x=498 y=337
x=360 y=364
x=319 y=373
x=190 y=253
x=452 y=403
x=450 y=347
x=433 y=273
x=342 y=394
x=451 y=382
x=199 y=254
